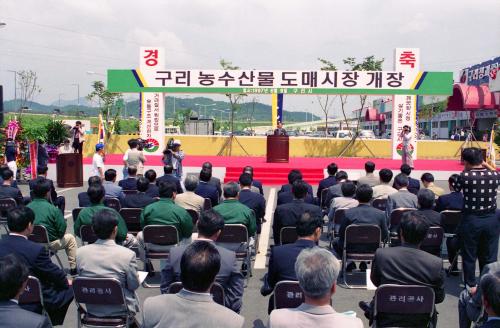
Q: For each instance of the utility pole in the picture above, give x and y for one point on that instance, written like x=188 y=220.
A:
x=78 y=92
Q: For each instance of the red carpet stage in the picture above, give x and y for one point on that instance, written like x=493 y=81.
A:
x=276 y=173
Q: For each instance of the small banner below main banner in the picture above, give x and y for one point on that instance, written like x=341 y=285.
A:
x=490 y=153
x=33 y=158
x=277 y=108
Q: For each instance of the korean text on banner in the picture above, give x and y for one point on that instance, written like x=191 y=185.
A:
x=407 y=61
x=152 y=127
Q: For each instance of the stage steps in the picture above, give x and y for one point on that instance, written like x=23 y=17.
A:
x=274 y=176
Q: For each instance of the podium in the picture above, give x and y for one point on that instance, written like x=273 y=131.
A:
x=277 y=149
x=69 y=169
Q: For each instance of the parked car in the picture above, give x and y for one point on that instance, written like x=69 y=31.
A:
x=342 y=134
x=366 y=134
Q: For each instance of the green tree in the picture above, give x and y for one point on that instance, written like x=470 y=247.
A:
x=108 y=108
x=326 y=102
x=234 y=99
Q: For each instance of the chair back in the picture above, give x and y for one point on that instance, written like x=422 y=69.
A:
x=397 y=214
x=288 y=235
x=6 y=204
x=194 y=216
x=380 y=204
x=75 y=212
x=98 y=291
x=365 y=236
x=217 y=291
x=32 y=293
x=433 y=241
x=323 y=196
x=233 y=233
x=39 y=234
x=129 y=192
x=113 y=203
x=288 y=294
x=450 y=220
x=87 y=234
x=339 y=216
x=394 y=304
x=132 y=218
x=207 y=204
x=164 y=235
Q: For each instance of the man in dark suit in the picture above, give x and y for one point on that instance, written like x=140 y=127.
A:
x=13 y=279
x=282 y=258
x=57 y=293
x=413 y=184
x=141 y=199
x=336 y=189
x=214 y=181
x=210 y=226
x=407 y=265
x=453 y=200
x=83 y=197
x=294 y=175
x=6 y=167
x=130 y=182
x=364 y=213
x=287 y=197
x=252 y=200
x=426 y=199
x=490 y=285
x=255 y=183
x=332 y=169
x=58 y=201
x=289 y=214
x=170 y=177
x=152 y=190
x=280 y=131
x=7 y=191
x=207 y=190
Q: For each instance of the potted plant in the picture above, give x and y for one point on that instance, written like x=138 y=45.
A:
x=56 y=133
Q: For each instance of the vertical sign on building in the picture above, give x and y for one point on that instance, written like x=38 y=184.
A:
x=405 y=106
x=152 y=127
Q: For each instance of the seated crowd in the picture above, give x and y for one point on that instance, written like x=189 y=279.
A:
x=404 y=214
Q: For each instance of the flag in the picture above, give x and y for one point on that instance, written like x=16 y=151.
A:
x=276 y=108
x=33 y=152
x=101 y=132
x=490 y=153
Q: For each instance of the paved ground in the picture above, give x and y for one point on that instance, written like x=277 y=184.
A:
x=255 y=306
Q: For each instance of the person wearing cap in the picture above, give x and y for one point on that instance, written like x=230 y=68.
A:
x=98 y=161
x=174 y=157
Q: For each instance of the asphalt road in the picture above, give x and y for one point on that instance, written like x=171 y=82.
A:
x=255 y=306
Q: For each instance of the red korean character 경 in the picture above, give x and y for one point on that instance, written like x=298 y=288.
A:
x=151 y=57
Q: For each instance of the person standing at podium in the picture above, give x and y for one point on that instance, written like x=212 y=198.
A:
x=280 y=131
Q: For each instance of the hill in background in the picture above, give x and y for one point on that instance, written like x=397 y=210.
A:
x=256 y=111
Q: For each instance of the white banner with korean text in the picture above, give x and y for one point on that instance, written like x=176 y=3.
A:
x=406 y=60
x=152 y=127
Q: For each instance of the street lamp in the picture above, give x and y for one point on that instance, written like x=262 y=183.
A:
x=78 y=92
x=95 y=73
x=61 y=94
x=205 y=108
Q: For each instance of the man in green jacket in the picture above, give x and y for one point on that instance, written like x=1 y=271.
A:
x=53 y=220
x=235 y=212
x=96 y=193
x=165 y=212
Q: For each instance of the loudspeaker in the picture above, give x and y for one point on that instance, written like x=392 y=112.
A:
x=1 y=105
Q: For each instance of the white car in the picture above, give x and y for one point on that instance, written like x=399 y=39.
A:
x=366 y=134
x=342 y=134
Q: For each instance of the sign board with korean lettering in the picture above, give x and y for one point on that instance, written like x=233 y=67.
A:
x=290 y=82
x=152 y=127
x=480 y=73
x=407 y=61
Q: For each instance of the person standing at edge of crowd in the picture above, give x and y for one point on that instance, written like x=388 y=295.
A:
x=10 y=156
x=480 y=225
x=174 y=157
x=406 y=141
x=98 y=162
x=78 y=137
x=133 y=157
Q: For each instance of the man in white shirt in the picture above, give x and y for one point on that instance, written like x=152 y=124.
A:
x=370 y=178
x=317 y=271
x=98 y=161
